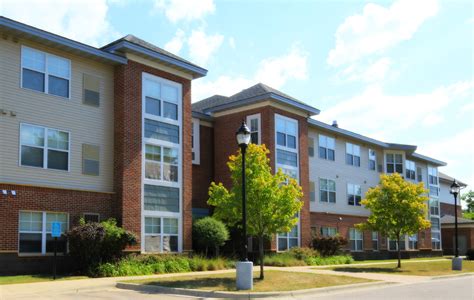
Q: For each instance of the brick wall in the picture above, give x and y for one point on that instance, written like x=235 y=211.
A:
x=203 y=174
x=448 y=209
x=75 y=203
x=128 y=146
x=447 y=236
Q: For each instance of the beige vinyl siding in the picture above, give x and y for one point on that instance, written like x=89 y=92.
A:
x=86 y=124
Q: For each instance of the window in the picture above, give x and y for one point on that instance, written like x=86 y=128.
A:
x=394 y=163
x=253 y=122
x=90 y=159
x=435 y=240
x=161 y=131
x=44 y=147
x=352 y=154
x=433 y=181
x=91 y=217
x=161 y=99
x=312 y=191
x=161 y=198
x=419 y=174
x=327 y=146
x=410 y=169
x=435 y=224
x=286 y=132
x=161 y=163
x=372 y=159
x=354 y=194
x=161 y=234
x=434 y=207
x=35 y=232
x=356 y=239
x=375 y=240
x=288 y=240
x=328 y=231
x=195 y=141
x=44 y=72
x=392 y=244
x=91 y=90
x=327 y=190
x=311 y=147
x=413 y=242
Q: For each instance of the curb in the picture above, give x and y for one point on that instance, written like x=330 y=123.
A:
x=452 y=276
x=246 y=295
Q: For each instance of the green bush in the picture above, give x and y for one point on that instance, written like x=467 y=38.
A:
x=328 y=245
x=470 y=254
x=330 y=260
x=302 y=253
x=210 y=233
x=304 y=257
x=282 y=260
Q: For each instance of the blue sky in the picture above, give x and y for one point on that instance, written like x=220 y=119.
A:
x=399 y=71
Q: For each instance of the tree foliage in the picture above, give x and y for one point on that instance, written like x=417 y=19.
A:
x=397 y=208
x=210 y=232
x=273 y=200
x=468 y=197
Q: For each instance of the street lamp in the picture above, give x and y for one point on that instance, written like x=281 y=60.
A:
x=244 y=267
x=457 y=261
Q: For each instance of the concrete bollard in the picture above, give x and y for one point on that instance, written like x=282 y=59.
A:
x=457 y=264
x=244 y=275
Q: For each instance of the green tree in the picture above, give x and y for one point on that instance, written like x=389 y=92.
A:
x=468 y=197
x=209 y=232
x=397 y=208
x=273 y=200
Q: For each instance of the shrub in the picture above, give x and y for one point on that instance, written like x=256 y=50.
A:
x=303 y=253
x=330 y=260
x=470 y=254
x=94 y=243
x=329 y=245
x=210 y=232
x=283 y=260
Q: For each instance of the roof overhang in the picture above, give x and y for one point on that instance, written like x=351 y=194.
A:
x=126 y=46
x=311 y=111
x=202 y=116
x=430 y=160
x=20 y=30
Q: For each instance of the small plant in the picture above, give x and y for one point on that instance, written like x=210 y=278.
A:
x=303 y=253
x=329 y=245
x=210 y=232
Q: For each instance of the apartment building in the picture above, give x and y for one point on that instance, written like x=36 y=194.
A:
x=111 y=132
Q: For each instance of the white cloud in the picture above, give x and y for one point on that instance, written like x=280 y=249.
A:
x=232 y=42
x=185 y=10
x=176 y=43
x=82 y=20
x=203 y=46
x=274 y=71
x=373 y=72
x=379 y=28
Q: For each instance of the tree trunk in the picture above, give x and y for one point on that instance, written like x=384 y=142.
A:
x=399 y=253
x=261 y=254
x=206 y=251
x=217 y=251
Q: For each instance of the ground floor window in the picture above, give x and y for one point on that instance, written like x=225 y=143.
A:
x=355 y=239
x=375 y=240
x=392 y=244
x=328 y=231
x=288 y=240
x=161 y=234
x=413 y=242
x=435 y=240
x=35 y=232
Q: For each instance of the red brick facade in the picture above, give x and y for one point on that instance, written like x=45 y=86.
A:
x=128 y=147
x=448 y=209
x=465 y=235
x=75 y=203
x=203 y=173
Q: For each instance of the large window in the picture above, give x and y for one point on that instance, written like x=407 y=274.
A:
x=433 y=181
x=327 y=190
x=413 y=242
x=195 y=142
x=435 y=240
x=353 y=154
x=354 y=194
x=328 y=231
x=35 y=232
x=327 y=146
x=410 y=169
x=253 y=122
x=44 y=72
x=44 y=147
x=394 y=163
x=372 y=160
x=162 y=152
x=355 y=239
x=375 y=240
x=434 y=207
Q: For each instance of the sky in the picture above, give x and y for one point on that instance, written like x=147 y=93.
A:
x=399 y=71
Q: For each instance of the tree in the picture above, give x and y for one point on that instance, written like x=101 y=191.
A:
x=468 y=197
x=210 y=232
x=273 y=200
x=397 y=208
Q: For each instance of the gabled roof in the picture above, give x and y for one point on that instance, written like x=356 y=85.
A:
x=143 y=48
x=47 y=38
x=254 y=94
x=446 y=178
x=448 y=219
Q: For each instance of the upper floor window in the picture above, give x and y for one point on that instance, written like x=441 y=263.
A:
x=354 y=194
x=90 y=159
x=433 y=181
x=312 y=191
x=195 y=141
x=161 y=99
x=311 y=147
x=44 y=147
x=253 y=122
x=91 y=90
x=352 y=154
x=327 y=147
x=327 y=190
x=410 y=169
x=161 y=163
x=286 y=147
x=44 y=72
x=372 y=160
x=394 y=163
x=286 y=131
x=419 y=174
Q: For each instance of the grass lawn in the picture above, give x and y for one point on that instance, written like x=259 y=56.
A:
x=274 y=281
x=376 y=261
x=34 y=278
x=433 y=268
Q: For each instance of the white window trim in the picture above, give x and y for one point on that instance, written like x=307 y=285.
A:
x=394 y=164
x=374 y=159
x=91 y=214
x=196 y=141
x=326 y=147
x=405 y=240
x=327 y=190
x=278 y=166
x=45 y=149
x=161 y=182
x=46 y=73
x=376 y=239
x=347 y=193
x=259 y=131
x=156 y=142
x=43 y=232
x=162 y=234
x=353 y=147
x=408 y=165
x=355 y=239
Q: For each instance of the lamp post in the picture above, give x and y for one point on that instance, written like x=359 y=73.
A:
x=244 y=267
x=457 y=261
